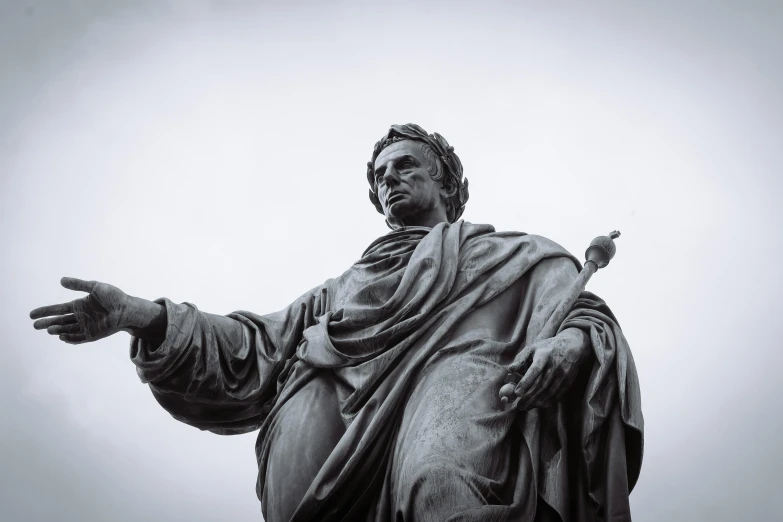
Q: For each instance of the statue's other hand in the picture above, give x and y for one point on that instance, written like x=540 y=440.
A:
x=549 y=367
x=99 y=314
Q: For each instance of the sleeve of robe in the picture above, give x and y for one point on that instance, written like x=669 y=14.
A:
x=219 y=373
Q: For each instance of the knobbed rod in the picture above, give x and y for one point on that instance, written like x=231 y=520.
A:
x=597 y=255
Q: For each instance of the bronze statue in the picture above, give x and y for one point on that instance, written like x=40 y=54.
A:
x=377 y=395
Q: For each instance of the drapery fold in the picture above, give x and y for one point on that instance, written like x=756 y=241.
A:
x=378 y=328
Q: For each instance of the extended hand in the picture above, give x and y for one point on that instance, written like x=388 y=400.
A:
x=549 y=366
x=100 y=314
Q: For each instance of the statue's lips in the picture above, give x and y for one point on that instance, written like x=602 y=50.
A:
x=395 y=196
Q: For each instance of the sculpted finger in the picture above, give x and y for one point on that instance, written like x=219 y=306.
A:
x=73 y=338
x=46 y=311
x=526 y=402
x=557 y=385
x=531 y=376
x=72 y=283
x=544 y=392
x=64 y=329
x=40 y=324
x=522 y=360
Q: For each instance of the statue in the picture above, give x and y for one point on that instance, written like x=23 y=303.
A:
x=377 y=395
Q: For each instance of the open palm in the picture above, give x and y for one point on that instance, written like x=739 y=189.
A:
x=93 y=317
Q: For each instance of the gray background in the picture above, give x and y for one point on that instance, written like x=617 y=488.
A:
x=215 y=153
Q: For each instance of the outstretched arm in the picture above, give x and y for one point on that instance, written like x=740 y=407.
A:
x=211 y=371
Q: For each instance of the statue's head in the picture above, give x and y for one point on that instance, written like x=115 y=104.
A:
x=416 y=178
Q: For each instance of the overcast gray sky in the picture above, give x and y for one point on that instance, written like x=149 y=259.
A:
x=214 y=152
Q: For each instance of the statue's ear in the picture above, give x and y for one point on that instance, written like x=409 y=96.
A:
x=444 y=197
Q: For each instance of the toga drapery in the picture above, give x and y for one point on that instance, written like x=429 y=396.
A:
x=414 y=371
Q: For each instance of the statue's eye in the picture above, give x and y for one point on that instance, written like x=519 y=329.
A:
x=407 y=164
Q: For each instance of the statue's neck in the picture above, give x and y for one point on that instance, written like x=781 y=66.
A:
x=427 y=219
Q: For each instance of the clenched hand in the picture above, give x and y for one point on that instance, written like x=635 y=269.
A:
x=549 y=367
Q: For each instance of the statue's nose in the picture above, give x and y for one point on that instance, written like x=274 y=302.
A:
x=391 y=176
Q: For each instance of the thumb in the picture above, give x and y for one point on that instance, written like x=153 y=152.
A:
x=72 y=283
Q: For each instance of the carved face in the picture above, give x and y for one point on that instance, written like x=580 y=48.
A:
x=408 y=194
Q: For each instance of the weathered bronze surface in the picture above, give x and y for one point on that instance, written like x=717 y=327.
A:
x=377 y=394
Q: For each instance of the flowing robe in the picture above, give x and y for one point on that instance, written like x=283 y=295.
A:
x=416 y=353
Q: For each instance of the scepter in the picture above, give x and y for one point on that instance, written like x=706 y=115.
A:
x=597 y=255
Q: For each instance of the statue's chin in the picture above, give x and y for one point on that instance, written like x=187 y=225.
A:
x=395 y=215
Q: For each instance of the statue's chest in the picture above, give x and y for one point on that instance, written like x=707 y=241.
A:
x=497 y=318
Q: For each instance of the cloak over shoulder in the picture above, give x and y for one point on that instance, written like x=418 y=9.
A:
x=378 y=327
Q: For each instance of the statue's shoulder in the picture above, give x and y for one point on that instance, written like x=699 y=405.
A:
x=545 y=242
x=534 y=241
x=532 y=247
